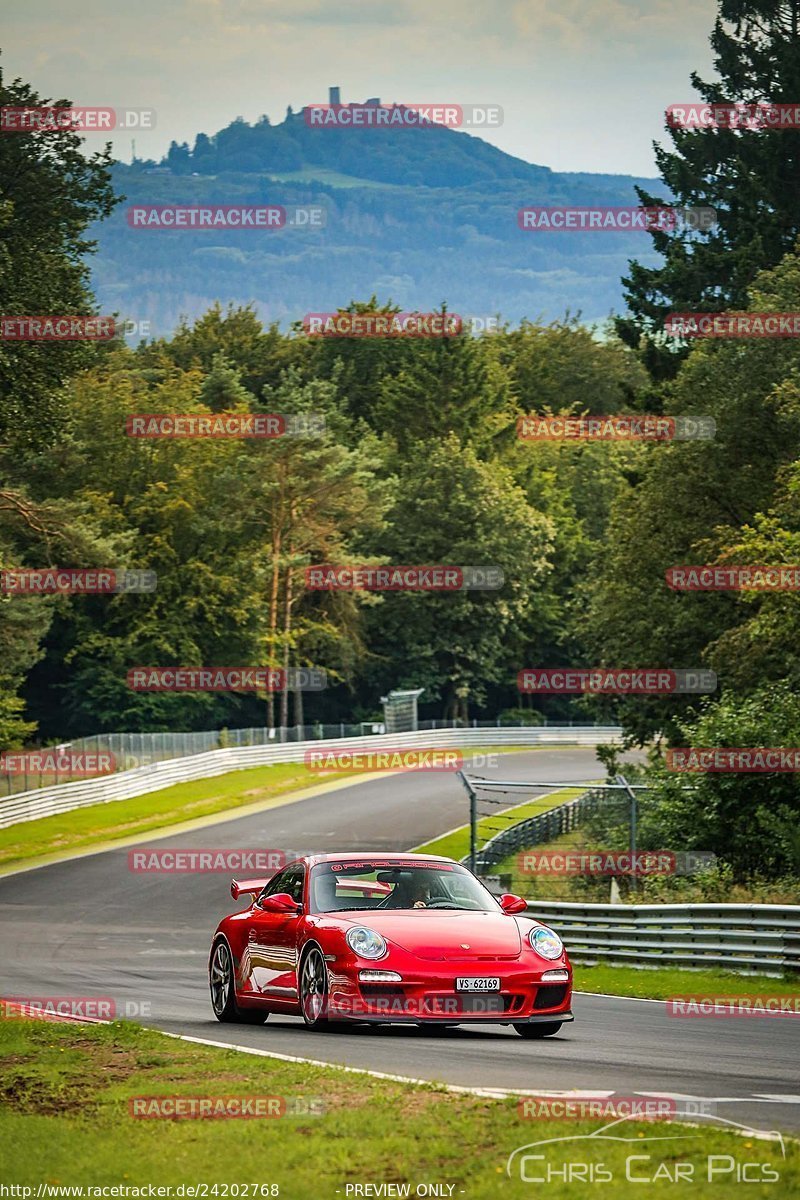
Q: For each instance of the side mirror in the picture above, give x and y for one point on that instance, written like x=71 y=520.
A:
x=512 y=904
x=281 y=902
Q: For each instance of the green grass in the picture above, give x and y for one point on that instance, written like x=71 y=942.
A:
x=662 y=982
x=65 y=1120
x=99 y=824
x=85 y=827
x=455 y=844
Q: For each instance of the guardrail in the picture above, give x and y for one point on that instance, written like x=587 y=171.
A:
x=758 y=938
x=130 y=750
x=46 y=802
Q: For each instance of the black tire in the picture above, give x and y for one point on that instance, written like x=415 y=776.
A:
x=314 y=989
x=539 y=1030
x=221 y=986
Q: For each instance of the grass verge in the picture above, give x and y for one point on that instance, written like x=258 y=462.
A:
x=662 y=982
x=85 y=827
x=65 y=1122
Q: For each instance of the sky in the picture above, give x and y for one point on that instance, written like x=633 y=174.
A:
x=583 y=84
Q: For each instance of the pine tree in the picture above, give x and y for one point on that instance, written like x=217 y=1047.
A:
x=750 y=176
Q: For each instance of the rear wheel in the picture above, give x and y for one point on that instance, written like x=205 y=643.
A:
x=539 y=1030
x=314 y=990
x=223 y=997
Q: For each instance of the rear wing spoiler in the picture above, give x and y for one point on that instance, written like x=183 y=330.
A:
x=247 y=887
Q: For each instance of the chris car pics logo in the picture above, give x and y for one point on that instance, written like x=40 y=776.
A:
x=650 y=1158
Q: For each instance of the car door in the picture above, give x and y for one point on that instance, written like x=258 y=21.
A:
x=272 y=941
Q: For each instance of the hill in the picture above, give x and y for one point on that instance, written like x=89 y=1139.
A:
x=414 y=215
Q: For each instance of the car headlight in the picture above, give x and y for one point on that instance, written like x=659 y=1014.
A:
x=366 y=943
x=546 y=943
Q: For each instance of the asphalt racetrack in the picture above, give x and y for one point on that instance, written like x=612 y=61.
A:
x=91 y=927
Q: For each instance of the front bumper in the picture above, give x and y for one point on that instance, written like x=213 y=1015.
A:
x=430 y=997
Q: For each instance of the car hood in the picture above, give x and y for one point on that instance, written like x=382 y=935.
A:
x=445 y=934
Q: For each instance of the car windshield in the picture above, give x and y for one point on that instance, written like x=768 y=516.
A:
x=352 y=887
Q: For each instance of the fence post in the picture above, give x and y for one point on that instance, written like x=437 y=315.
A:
x=473 y=820
x=633 y=830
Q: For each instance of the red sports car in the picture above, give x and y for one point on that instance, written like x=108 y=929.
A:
x=387 y=937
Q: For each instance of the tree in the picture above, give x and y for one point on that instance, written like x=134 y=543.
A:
x=692 y=502
x=749 y=820
x=49 y=195
x=260 y=356
x=311 y=499
x=447 y=385
x=751 y=178
x=222 y=390
x=178 y=158
x=453 y=509
x=564 y=367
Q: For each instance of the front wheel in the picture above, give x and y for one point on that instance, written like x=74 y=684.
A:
x=314 y=990
x=539 y=1030
x=223 y=997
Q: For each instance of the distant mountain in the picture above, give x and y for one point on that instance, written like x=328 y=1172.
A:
x=417 y=216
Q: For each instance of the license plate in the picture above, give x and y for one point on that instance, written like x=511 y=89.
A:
x=484 y=983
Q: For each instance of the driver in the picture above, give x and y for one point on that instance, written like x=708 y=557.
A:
x=419 y=894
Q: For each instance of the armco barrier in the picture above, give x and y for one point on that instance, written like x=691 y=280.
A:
x=47 y=802
x=130 y=750
x=759 y=938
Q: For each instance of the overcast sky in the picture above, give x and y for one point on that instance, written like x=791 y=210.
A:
x=583 y=83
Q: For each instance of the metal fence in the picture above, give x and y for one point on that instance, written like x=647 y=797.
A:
x=532 y=831
x=759 y=938
x=48 y=801
x=130 y=750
